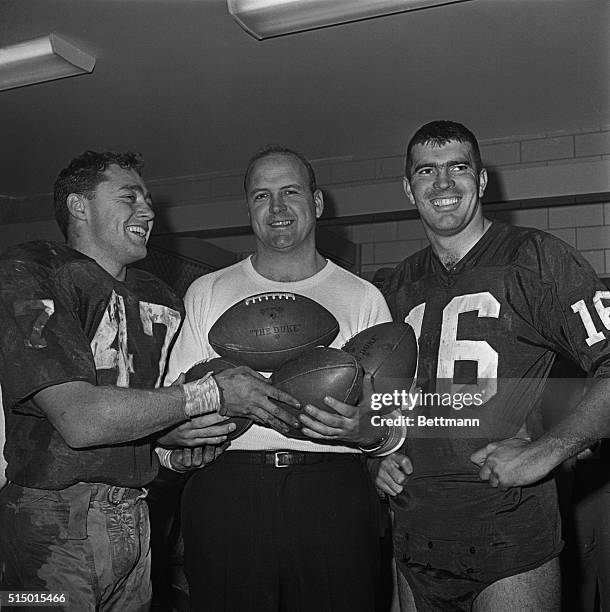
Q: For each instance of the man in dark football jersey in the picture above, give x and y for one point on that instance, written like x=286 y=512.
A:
x=84 y=346
x=476 y=519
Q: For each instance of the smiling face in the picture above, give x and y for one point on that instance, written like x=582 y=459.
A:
x=116 y=222
x=446 y=187
x=282 y=208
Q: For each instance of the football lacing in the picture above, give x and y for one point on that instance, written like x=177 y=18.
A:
x=269 y=296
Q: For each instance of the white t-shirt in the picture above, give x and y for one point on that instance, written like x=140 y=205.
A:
x=355 y=303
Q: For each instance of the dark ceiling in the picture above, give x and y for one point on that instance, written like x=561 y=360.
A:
x=181 y=82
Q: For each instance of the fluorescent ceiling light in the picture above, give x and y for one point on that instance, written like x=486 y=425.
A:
x=41 y=59
x=267 y=18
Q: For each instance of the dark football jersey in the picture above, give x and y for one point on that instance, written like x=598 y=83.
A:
x=490 y=327
x=65 y=319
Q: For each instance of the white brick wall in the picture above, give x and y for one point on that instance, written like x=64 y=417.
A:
x=581 y=226
x=567 y=216
x=597 y=143
x=533 y=217
x=501 y=154
x=584 y=226
x=597 y=260
x=539 y=162
x=351 y=172
x=544 y=149
x=409 y=230
x=588 y=238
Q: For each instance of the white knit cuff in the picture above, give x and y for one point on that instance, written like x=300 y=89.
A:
x=390 y=442
x=164 y=455
x=201 y=396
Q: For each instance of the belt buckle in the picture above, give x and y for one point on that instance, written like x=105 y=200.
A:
x=277 y=458
x=115 y=495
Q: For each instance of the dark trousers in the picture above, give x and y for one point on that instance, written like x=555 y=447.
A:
x=303 y=538
x=88 y=542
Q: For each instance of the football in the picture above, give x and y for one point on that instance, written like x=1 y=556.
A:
x=200 y=369
x=263 y=331
x=316 y=373
x=388 y=352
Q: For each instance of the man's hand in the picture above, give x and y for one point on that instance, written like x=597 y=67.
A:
x=184 y=459
x=392 y=473
x=512 y=463
x=321 y=425
x=246 y=393
x=351 y=424
x=207 y=429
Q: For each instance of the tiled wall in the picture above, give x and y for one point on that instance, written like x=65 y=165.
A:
x=533 y=166
x=586 y=227
x=505 y=154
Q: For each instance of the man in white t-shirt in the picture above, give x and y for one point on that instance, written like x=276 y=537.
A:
x=278 y=523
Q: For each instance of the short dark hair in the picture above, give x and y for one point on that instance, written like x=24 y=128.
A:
x=83 y=174
x=275 y=149
x=439 y=133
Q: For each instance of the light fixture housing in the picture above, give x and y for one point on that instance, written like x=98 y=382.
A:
x=268 y=18
x=41 y=59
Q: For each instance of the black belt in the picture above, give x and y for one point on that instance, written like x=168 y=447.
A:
x=115 y=495
x=280 y=459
